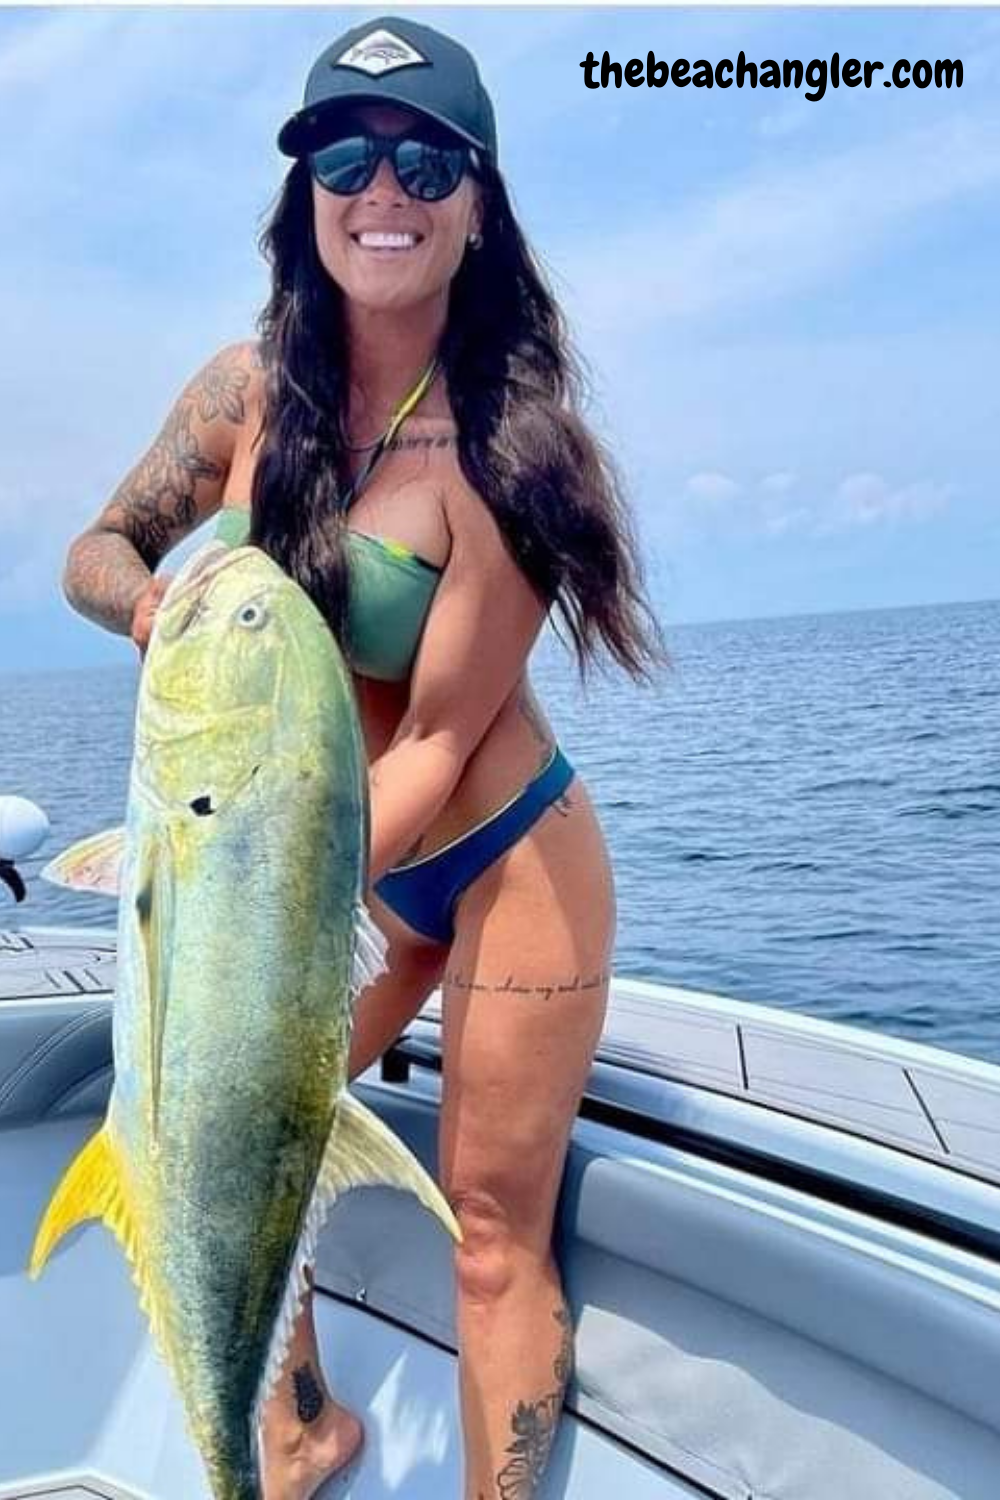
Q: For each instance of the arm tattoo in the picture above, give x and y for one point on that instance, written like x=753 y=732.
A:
x=308 y=1396
x=109 y=566
x=534 y=1425
x=156 y=503
x=219 y=391
x=104 y=578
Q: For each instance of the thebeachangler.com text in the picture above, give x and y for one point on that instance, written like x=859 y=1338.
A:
x=818 y=74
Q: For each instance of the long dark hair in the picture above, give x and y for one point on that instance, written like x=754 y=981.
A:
x=515 y=389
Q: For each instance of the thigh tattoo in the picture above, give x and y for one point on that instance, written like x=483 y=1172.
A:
x=579 y=984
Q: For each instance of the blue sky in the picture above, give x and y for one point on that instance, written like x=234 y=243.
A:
x=789 y=308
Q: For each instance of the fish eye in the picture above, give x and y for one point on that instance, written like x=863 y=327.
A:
x=253 y=615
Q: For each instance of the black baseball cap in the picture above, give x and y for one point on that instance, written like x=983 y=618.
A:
x=392 y=61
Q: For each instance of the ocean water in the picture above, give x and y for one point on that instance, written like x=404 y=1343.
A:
x=804 y=813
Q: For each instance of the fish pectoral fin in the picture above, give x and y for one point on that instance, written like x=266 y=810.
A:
x=93 y=864
x=154 y=918
x=91 y=1188
x=364 y=1152
x=370 y=948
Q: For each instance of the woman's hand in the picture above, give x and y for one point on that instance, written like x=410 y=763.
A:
x=145 y=609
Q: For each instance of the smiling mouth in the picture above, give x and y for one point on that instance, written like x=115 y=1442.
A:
x=387 y=243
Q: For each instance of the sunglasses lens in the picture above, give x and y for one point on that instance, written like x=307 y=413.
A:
x=429 y=171
x=345 y=166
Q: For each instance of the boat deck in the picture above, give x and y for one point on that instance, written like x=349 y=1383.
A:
x=930 y=1104
x=780 y=1236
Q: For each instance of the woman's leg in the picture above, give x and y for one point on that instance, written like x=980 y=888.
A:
x=307 y=1435
x=525 y=994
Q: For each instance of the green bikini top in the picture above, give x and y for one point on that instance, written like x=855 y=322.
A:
x=390 y=596
x=391 y=588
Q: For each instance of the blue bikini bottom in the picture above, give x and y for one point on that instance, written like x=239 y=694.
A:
x=424 y=891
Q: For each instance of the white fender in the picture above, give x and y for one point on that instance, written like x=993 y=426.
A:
x=23 y=826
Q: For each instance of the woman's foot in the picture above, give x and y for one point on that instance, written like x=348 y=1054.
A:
x=300 y=1456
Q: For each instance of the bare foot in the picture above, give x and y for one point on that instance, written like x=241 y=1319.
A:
x=300 y=1457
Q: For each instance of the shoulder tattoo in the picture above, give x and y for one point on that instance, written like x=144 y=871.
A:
x=220 y=389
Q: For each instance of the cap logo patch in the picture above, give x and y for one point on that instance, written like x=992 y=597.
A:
x=380 y=52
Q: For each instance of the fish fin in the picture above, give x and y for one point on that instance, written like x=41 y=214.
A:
x=92 y=864
x=154 y=890
x=364 y=1152
x=361 y=1152
x=93 y=1187
x=370 y=948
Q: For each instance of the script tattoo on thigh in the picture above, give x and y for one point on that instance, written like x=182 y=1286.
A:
x=534 y=1424
x=308 y=1396
x=579 y=984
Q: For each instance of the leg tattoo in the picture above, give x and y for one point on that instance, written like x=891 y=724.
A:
x=308 y=1396
x=534 y=1425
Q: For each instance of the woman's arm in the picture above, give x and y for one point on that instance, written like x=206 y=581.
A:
x=480 y=631
x=173 y=488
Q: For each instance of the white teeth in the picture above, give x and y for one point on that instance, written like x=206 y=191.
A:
x=371 y=240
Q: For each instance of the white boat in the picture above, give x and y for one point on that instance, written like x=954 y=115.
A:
x=780 y=1238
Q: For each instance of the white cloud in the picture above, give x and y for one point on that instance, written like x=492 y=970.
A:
x=862 y=500
x=777 y=510
x=776 y=522
x=781 y=231
x=780 y=504
x=715 y=489
x=778 y=483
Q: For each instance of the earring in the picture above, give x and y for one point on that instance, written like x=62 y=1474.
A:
x=475 y=242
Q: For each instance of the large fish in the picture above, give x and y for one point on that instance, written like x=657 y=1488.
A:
x=243 y=940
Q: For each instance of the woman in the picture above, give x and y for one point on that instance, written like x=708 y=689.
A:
x=413 y=367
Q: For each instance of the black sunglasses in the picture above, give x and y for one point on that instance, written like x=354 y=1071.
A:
x=428 y=166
